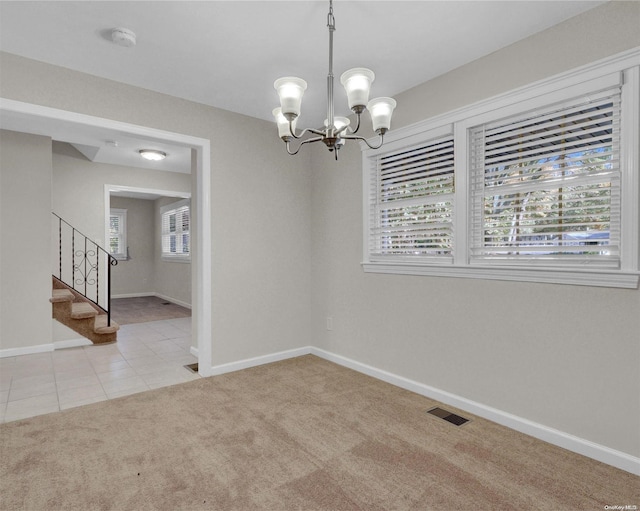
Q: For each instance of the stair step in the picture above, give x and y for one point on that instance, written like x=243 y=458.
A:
x=76 y=312
x=61 y=295
x=100 y=325
x=82 y=310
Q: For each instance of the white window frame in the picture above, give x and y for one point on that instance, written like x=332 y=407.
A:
x=164 y=212
x=583 y=81
x=122 y=235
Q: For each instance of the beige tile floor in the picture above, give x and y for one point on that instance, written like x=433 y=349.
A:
x=146 y=356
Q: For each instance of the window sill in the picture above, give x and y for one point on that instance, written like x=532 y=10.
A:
x=174 y=259
x=599 y=278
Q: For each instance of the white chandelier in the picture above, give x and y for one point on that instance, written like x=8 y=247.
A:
x=336 y=130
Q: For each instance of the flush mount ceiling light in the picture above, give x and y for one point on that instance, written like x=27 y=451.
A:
x=336 y=130
x=152 y=154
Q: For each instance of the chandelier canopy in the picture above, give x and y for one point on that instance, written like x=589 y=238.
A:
x=336 y=130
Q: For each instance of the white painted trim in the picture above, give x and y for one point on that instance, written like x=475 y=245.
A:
x=553 y=436
x=27 y=350
x=133 y=295
x=630 y=167
x=194 y=351
x=44 y=348
x=203 y=262
x=71 y=343
x=202 y=149
x=155 y=191
x=603 y=278
x=157 y=295
x=258 y=361
x=174 y=300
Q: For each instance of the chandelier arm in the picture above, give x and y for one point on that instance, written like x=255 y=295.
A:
x=355 y=130
x=303 y=132
x=347 y=129
x=308 y=141
x=352 y=137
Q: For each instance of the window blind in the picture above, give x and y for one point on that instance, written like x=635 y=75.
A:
x=411 y=202
x=545 y=187
x=117 y=233
x=176 y=230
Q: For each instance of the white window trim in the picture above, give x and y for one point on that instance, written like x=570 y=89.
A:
x=576 y=82
x=175 y=258
x=122 y=213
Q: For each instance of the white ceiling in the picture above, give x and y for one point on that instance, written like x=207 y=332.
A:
x=227 y=54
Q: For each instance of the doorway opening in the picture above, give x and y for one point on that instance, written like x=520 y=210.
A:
x=60 y=125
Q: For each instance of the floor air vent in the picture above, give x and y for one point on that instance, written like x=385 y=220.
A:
x=192 y=367
x=448 y=416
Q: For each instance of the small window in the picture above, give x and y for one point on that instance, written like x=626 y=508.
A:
x=118 y=233
x=412 y=203
x=176 y=228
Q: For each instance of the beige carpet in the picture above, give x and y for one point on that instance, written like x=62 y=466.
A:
x=143 y=309
x=302 y=434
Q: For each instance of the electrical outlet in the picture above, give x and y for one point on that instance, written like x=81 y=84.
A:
x=329 y=323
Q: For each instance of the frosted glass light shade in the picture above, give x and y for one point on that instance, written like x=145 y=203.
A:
x=283 y=123
x=357 y=82
x=338 y=122
x=152 y=154
x=381 y=110
x=290 y=89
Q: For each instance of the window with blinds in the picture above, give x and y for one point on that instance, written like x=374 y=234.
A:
x=540 y=184
x=176 y=225
x=411 y=203
x=545 y=187
x=118 y=233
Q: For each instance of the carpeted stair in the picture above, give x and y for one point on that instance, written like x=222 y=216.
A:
x=73 y=310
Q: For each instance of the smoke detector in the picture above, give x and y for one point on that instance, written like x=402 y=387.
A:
x=123 y=37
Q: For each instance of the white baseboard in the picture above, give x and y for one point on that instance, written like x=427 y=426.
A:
x=257 y=361
x=553 y=436
x=27 y=350
x=174 y=300
x=44 y=348
x=71 y=343
x=158 y=295
x=133 y=295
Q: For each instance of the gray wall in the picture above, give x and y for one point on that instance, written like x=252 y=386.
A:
x=260 y=201
x=136 y=275
x=78 y=187
x=563 y=356
x=144 y=272
x=25 y=237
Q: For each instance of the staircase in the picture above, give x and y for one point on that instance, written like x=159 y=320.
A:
x=82 y=275
x=76 y=312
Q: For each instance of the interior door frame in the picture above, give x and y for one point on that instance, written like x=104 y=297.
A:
x=201 y=151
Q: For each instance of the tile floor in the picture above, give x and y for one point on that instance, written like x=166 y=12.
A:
x=146 y=356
